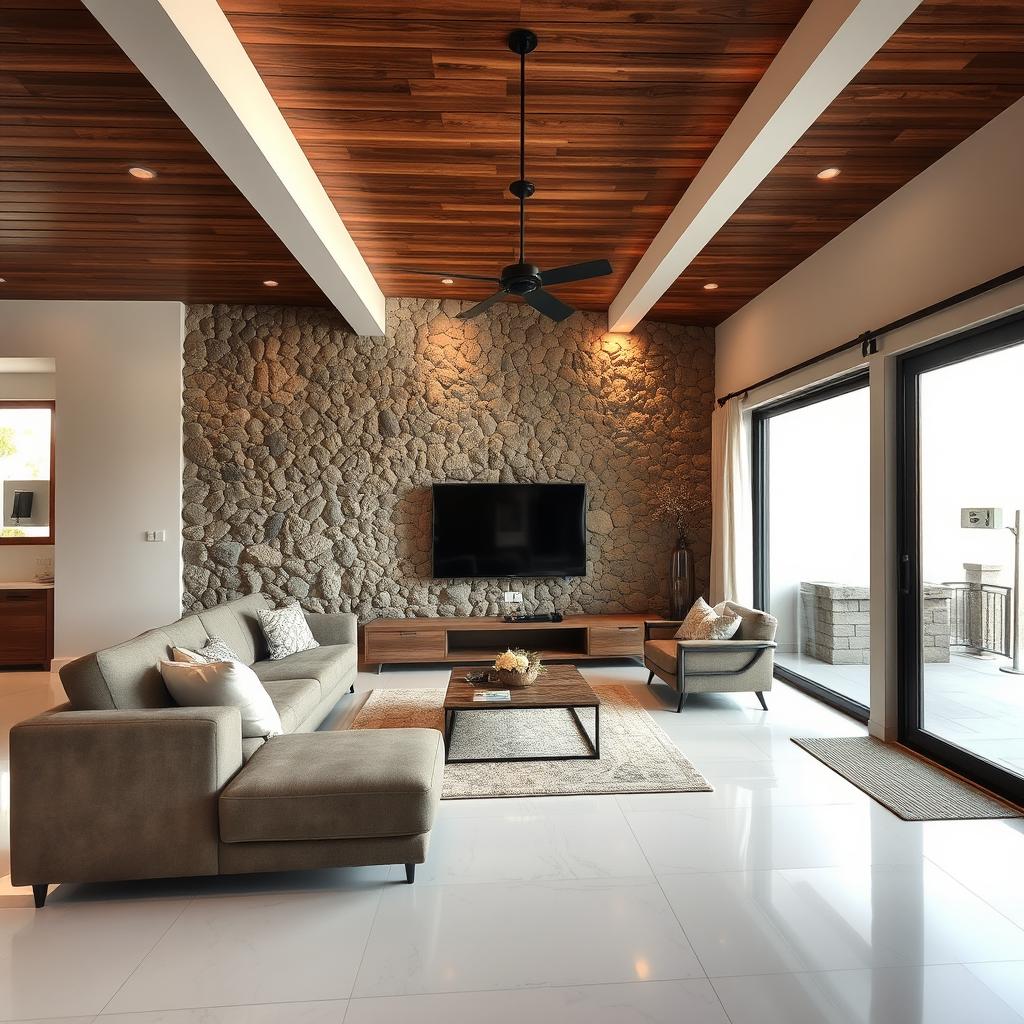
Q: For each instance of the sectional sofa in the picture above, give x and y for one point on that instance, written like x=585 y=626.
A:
x=120 y=784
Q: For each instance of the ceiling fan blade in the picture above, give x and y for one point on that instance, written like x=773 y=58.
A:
x=481 y=307
x=552 y=308
x=576 y=272
x=440 y=274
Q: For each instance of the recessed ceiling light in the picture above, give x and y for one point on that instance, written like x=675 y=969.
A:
x=142 y=173
x=270 y=283
x=829 y=173
x=3 y=280
x=710 y=286
x=447 y=280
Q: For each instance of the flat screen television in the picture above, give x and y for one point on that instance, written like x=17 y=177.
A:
x=489 y=530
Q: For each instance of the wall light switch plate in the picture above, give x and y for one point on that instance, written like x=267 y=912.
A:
x=513 y=597
x=156 y=536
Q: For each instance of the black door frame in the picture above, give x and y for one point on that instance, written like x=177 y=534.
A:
x=759 y=491
x=1004 y=333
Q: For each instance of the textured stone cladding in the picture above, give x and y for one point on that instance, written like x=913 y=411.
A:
x=310 y=451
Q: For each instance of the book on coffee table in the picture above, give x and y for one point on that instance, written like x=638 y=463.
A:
x=492 y=696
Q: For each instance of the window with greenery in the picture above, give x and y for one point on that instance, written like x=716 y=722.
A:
x=26 y=472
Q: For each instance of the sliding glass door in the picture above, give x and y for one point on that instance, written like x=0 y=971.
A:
x=961 y=422
x=811 y=538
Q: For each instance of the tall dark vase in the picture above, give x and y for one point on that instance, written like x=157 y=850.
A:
x=681 y=586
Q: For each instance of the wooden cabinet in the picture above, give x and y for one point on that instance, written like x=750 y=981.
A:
x=26 y=626
x=480 y=638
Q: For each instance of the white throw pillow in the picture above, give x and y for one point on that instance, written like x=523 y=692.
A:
x=286 y=630
x=703 y=623
x=223 y=684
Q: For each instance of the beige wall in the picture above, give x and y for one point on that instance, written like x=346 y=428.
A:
x=118 y=440
x=955 y=225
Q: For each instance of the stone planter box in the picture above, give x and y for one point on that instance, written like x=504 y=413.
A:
x=835 y=623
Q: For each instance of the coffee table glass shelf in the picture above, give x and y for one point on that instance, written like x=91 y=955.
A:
x=560 y=687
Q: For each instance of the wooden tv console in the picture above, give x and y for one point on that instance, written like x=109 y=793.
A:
x=481 y=638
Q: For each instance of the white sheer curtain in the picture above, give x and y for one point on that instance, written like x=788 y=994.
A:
x=731 y=522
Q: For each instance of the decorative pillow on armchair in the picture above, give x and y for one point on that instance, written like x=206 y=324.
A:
x=702 y=622
x=286 y=630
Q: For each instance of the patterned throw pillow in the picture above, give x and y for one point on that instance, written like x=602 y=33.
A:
x=286 y=630
x=703 y=623
x=215 y=649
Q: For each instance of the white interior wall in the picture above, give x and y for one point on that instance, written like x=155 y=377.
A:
x=118 y=460
x=957 y=224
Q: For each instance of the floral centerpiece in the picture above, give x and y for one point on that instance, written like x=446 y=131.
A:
x=516 y=669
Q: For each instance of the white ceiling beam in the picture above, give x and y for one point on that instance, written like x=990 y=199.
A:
x=830 y=45
x=191 y=55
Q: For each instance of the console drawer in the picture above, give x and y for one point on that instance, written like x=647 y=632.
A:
x=416 y=643
x=625 y=641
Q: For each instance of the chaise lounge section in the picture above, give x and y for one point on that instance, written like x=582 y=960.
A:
x=120 y=784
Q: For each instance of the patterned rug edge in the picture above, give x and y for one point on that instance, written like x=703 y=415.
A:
x=999 y=808
x=669 y=748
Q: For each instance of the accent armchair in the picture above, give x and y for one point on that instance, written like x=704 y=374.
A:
x=744 y=664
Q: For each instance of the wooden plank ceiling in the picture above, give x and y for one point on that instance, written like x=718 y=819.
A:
x=74 y=115
x=951 y=68
x=408 y=112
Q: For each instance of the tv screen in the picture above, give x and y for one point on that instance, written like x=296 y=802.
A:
x=487 y=530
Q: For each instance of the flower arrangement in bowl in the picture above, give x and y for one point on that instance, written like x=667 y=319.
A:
x=517 y=669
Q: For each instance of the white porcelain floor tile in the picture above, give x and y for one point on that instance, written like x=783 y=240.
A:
x=754 y=838
x=469 y=938
x=1005 y=980
x=526 y=847
x=747 y=923
x=985 y=856
x=326 y=1012
x=653 y=1002
x=924 y=995
x=67 y=961
x=255 y=949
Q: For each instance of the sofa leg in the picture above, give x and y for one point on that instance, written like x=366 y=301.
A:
x=410 y=873
x=39 y=895
x=760 y=697
x=352 y=688
x=682 y=701
x=650 y=677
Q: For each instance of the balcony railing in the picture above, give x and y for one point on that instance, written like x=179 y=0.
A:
x=980 y=617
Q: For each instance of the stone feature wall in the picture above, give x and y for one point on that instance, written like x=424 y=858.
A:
x=310 y=451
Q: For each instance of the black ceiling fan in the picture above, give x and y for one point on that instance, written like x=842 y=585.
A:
x=522 y=278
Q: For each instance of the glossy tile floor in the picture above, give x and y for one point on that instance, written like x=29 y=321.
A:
x=783 y=896
x=967 y=701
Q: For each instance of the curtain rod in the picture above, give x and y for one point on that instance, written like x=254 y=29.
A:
x=868 y=340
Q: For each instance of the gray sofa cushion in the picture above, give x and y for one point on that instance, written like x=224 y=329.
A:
x=236 y=624
x=336 y=785
x=294 y=699
x=332 y=666
x=125 y=677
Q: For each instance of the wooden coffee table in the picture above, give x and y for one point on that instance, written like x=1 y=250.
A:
x=561 y=686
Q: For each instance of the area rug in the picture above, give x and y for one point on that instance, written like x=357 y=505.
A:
x=636 y=755
x=911 y=787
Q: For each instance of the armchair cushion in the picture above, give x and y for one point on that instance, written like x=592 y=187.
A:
x=662 y=653
x=754 y=624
